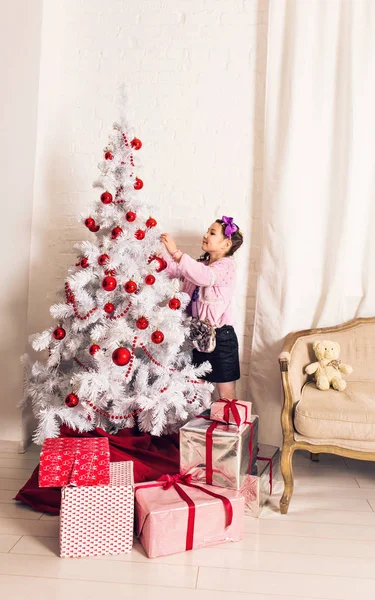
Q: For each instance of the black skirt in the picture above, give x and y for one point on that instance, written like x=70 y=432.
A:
x=224 y=359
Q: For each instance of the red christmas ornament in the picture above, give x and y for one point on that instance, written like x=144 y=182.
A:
x=109 y=284
x=121 y=356
x=142 y=323
x=59 y=333
x=150 y=279
x=84 y=262
x=94 y=348
x=95 y=228
x=106 y=198
x=103 y=259
x=151 y=223
x=140 y=234
x=136 y=144
x=71 y=400
x=89 y=222
x=110 y=272
x=130 y=216
x=174 y=303
x=108 y=155
x=116 y=231
x=130 y=287
x=109 y=308
x=138 y=184
x=157 y=337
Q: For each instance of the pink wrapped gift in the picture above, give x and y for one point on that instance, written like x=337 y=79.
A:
x=99 y=520
x=258 y=489
x=74 y=461
x=231 y=412
x=173 y=515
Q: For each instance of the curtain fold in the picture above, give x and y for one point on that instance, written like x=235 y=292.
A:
x=318 y=255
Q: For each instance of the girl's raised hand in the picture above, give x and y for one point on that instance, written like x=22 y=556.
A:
x=168 y=242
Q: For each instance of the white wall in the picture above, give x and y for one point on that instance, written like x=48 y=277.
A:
x=195 y=71
x=19 y=73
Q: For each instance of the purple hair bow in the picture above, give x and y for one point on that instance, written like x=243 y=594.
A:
x=230 y=226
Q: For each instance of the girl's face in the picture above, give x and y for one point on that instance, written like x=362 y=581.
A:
x=214 y=241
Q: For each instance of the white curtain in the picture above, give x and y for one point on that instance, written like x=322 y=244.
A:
x=318 y=247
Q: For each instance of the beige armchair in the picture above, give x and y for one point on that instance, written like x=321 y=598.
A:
x=329 y=421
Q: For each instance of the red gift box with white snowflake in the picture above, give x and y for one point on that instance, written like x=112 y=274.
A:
x=74 y=461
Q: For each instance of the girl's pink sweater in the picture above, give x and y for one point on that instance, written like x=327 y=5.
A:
x=217 y=284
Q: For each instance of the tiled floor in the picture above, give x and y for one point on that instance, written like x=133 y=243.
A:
x=324 y=548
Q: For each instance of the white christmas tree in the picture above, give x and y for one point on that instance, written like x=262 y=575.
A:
x=117 y=355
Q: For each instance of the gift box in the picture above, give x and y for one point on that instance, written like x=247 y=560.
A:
x=174 y=515
x=257 y=490
x=232 y=412
x=99 y=520
x=74 y=461
x=218 y=454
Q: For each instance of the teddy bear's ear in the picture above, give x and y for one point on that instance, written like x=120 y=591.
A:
x=316 y=346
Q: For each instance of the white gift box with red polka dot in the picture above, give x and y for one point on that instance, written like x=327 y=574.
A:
x=98 y=520
x=74 y=461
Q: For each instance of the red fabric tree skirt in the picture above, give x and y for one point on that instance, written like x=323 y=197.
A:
x=152 y=456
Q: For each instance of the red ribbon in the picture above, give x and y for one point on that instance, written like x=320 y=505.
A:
x=168 y=481
x=271 y=469
x=231 y=406
x=209 y=447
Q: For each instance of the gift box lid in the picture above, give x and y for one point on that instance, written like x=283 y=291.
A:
x=200 y=425
x=156 y=500
x=75 y=444
x=266 y=451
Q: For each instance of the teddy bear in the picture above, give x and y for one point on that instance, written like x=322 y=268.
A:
x=327 y=371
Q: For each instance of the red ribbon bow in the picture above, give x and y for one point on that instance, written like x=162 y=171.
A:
x=231 y=406
x=176 y=481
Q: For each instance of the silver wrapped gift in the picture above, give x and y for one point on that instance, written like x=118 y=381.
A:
x=234 y=451
x=258 y=489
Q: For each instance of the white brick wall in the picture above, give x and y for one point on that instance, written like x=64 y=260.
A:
x=195 y=73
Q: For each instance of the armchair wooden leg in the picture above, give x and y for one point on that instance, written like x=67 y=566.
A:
x=287 y=473
x=314 y=457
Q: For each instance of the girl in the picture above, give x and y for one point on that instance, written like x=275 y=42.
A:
x=210 y=282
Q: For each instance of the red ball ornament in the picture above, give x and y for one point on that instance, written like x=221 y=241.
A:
x=130 y=216
x=89 y=222
x=140 y=234
x=138 y=184
x=84 y=262
x=109 y=308
x=110 y=272
x=59 y=333
x=109 y=284
x=106 y=198
x=95 y=228
x=136 y=144
x=103 y=259
x=94 y=348
x=116 y=231
x=174 y=303
x=150 y=279
x=151 y=223
x=130 y=287
x=108 y=155
x=121 y=356
x=157 y=337
x=71 y=400
x=142 y=323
